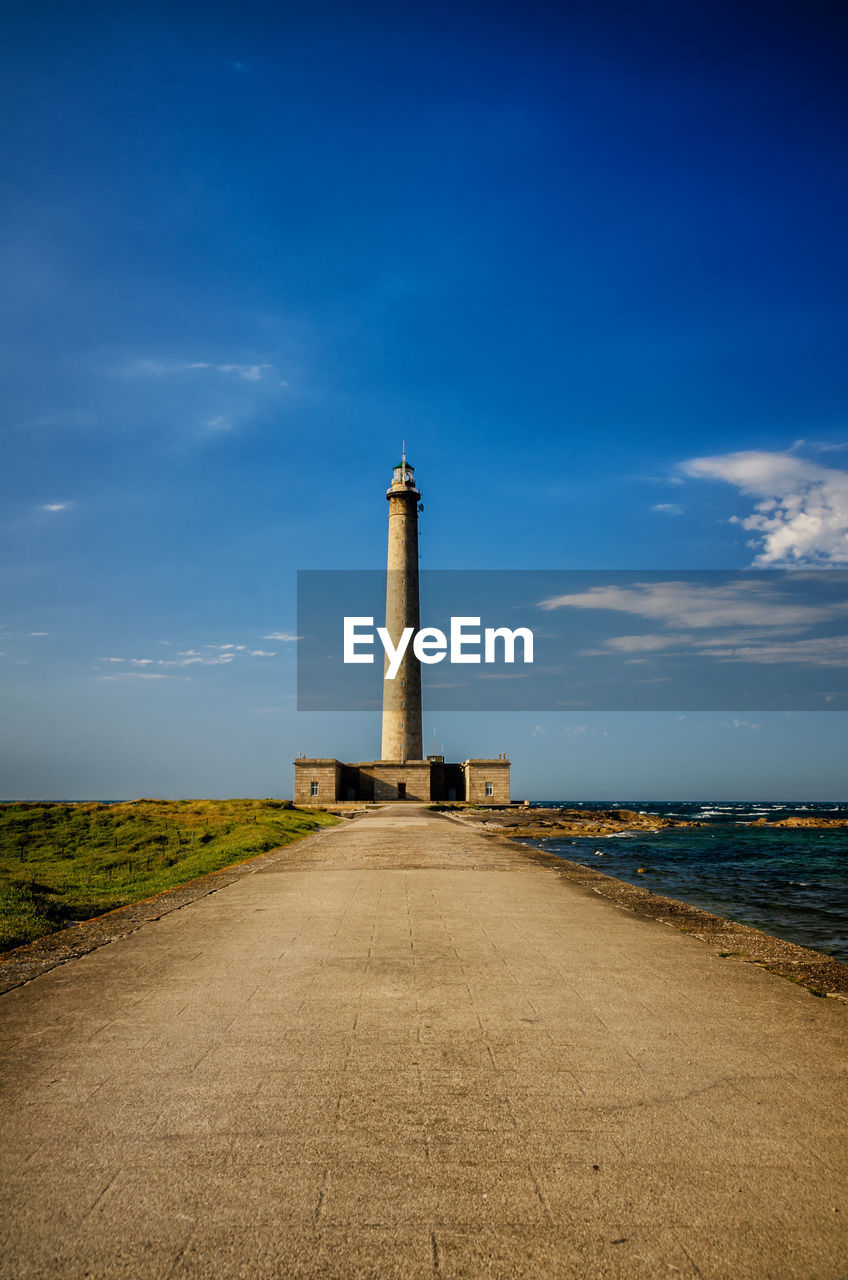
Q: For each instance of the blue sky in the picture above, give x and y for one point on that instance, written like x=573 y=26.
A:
x=591 y=266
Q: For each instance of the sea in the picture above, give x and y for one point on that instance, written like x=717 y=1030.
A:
x=789 y=882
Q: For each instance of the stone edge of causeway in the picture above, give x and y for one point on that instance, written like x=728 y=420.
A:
x=817 y=973
x=21 y=964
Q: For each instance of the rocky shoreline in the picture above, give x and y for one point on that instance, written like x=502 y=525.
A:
x=539 y=824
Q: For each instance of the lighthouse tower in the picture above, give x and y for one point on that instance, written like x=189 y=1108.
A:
x=402 y=738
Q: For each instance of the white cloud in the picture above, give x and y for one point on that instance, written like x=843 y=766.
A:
x=39 y=633
x=202 y=659
x=821 y=651
x=763 y=646
x=249 y=372
x=218 y=424
x=281 y=635
x=802 y=513
x=211 y=655
x=741 y=602
x=819 y=446
x=740 y=724
x=644 y=644
x=186 y=658
x=54 y=506
x=136 y=675
x=669 y=508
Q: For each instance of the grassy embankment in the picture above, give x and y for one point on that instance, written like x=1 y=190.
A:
x=65 y=862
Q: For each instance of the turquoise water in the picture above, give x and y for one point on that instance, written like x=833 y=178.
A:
x=792 y=883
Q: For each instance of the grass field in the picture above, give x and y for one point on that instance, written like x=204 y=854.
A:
x=65 y=862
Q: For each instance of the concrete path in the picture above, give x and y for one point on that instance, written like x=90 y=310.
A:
x=405 y=1049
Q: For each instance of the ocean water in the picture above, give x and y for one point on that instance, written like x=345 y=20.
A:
x=792 y=883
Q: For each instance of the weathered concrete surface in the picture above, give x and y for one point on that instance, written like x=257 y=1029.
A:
x=405 y=1049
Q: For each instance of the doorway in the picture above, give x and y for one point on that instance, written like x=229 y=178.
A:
x=401 y=791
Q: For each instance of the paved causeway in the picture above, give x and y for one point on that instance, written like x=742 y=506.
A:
x=405 y=1049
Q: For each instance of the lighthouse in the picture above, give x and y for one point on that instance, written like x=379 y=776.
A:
x=403 y=772
x=402 y=740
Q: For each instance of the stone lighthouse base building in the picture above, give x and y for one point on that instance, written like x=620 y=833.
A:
x=329 y=781
x=403 y=773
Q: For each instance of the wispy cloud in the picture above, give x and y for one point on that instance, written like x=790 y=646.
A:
x=250 y=372
x=746 y=620
x=802 y=513
x=159 y=368
x=645 y=643
x=741 y=724
x=54 y=506
x=819 y=446
x=742 y=602
x=668 y=508
x=208 y=655
x=760 y=646
x=281 y=635
x=818 y=651
x=136 y=675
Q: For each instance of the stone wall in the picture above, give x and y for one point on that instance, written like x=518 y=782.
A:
x=384 y=778
x=480 y=772
x=326 y=772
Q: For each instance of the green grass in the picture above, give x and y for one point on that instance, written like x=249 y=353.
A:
x=65 y=862
x=459 y=805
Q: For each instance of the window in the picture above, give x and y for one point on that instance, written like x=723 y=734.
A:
x=313 y=788
x=490 y=790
